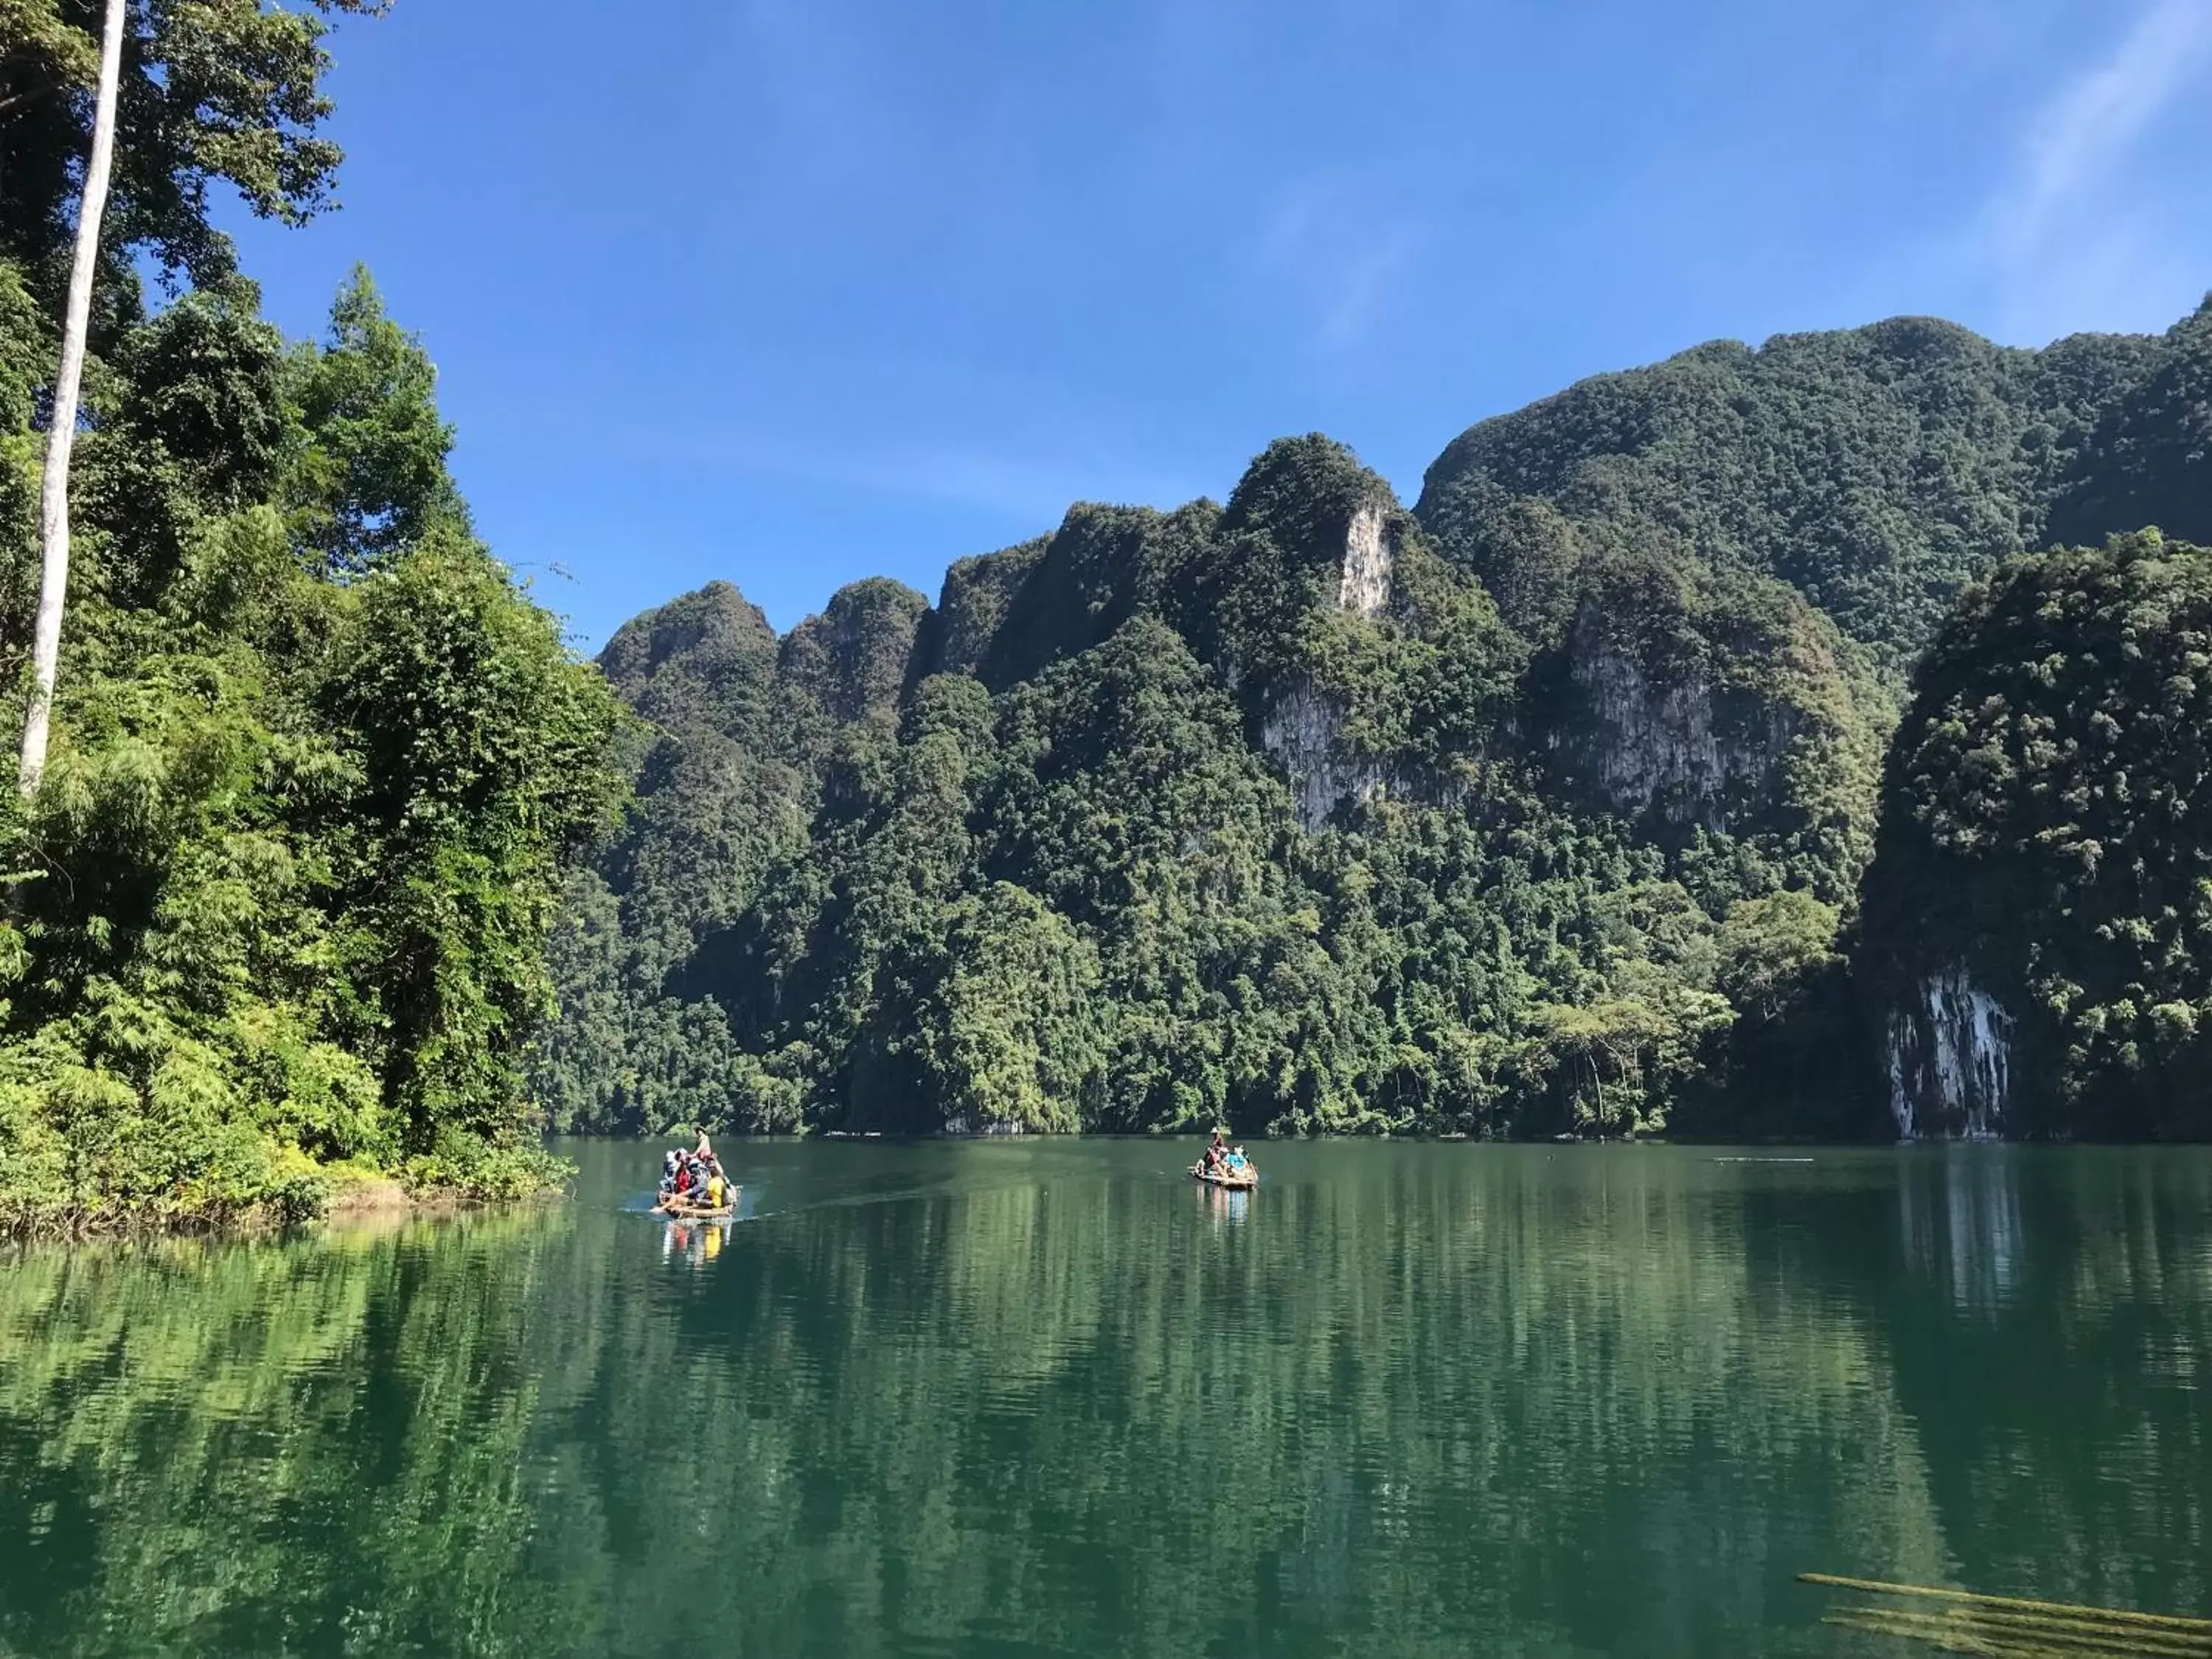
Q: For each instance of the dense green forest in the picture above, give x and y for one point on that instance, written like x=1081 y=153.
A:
x=1543 y=808
x=2038 y=915
x=276 y=912
x=1555 y=805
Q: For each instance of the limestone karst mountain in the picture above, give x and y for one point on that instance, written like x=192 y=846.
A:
x=1544 y=805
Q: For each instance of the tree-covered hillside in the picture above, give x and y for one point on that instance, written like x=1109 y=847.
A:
x=1545 y=807
x=1164 y=818
x=277 y=906
x=2038 y=929
x=1876 y=470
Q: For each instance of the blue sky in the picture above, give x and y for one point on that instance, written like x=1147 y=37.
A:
x=792 y=292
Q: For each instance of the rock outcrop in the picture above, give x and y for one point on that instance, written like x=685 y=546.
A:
x=1365 y=588
x=1303 y=734
x=1303 y=728
x=1677 y=748
x=1950 y=1060
x=852 y=662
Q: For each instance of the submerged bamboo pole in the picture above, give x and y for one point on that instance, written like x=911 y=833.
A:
x=2041 y=1632
x=1935 y=1633
x=2160 y=1621
x=2093 y=1631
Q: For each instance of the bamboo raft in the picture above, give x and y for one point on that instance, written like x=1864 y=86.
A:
x=2012 y=1628
x=695 y=1211
x=1242 y=1184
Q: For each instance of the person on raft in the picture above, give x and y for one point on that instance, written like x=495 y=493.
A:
x=693 y=1180
x=1217 y=1153
x=1238 y=1163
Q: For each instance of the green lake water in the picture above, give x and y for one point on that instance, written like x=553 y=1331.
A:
x=1051 y=1397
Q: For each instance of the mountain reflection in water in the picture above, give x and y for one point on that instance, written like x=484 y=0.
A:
x=1055 y=1397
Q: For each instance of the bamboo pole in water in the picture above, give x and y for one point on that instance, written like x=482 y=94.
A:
x=2054 y=1610
x=2086 y=1632
x=1936 y=1633
x=1981 y=1627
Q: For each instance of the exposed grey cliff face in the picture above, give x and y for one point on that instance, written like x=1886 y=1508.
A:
x=1950 y=1060
x=1363 y=588
x=1677 y=748
x=1303 y=731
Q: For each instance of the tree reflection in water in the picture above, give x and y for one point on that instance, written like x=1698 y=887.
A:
x=1415 y=1399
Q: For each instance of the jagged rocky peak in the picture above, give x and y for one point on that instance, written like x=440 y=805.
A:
x=714 y=621
x=706 y=658
x=972 y=607
x=1006 y=616
x=1877 y=469
x=1317 y=519
x=853 y=659
x=1307 y=531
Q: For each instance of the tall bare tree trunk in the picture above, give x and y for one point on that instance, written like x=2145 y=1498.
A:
x=54 y=523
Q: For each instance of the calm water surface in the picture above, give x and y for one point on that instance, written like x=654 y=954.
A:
x=1052 y=1397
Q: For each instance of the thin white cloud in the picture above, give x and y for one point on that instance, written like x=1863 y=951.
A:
x=1293 y=219
x=806 y=113
x=2074 y=237
x=1363 y=283
x=1337 y=249
x=2090 y=124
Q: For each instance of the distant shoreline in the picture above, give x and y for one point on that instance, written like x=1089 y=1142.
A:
x=352 y=1206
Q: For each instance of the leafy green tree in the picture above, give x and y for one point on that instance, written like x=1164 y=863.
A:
x=1768 y=947
x=1011 y=1030
x=206 y=380
x=479 y=752
x=282 y=898
x=371 y=479
x=210 y=91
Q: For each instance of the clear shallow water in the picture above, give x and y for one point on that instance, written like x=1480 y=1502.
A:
x=1053 y=1398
